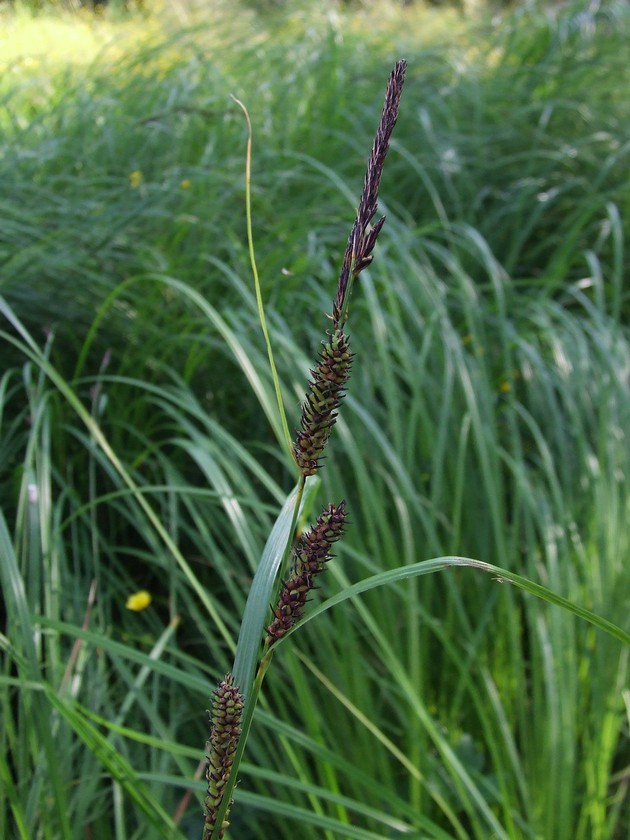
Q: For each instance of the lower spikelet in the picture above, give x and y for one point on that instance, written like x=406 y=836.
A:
x=310 y=556
x=227 y=708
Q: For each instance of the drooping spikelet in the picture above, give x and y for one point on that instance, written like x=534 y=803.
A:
x=319 y=410
x=310 y=556
x=227 y=708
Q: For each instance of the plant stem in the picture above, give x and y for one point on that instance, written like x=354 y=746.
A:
x=252 y=259
x=248 y=716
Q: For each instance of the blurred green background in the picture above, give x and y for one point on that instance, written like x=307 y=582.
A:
x=487 y=414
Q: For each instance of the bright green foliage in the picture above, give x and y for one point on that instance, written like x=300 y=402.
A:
x=487 y=416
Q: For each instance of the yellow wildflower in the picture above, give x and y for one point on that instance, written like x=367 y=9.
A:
x=185 y=184
x=135 y=179
x=138 y=601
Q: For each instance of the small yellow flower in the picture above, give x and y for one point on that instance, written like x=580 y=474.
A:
x=185 y=184
x=138 y=601
x=135 y=179
x=505 y=387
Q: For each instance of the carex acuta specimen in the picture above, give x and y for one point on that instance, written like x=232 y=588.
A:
x=231 y=715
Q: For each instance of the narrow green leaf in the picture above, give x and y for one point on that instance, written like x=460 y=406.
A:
x=260 y=594
x=438 y=564
x=304 y=816
x=22 y=636
x=101 y=641
x=117 y=766
x=259 y=301
x=10 y=793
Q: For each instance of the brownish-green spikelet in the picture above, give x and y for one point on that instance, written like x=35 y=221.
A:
x=310 y=556
x=319 y=411
x=227 y=708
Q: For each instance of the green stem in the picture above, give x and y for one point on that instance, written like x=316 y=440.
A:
x=259 y=300
x=299 y=493
x=343 y=313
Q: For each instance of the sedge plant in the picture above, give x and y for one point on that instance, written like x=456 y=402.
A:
x=76 y=727
x=234 y=700
x=236 y=695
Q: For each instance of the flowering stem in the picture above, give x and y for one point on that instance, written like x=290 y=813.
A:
x=251 y=696
x=311 y=553
x=312 y=550
x=248 y=716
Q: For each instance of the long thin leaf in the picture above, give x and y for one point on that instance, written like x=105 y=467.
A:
x=260 y=594
x=426 y=567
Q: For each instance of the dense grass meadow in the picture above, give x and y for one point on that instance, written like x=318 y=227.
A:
x=487 y=416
